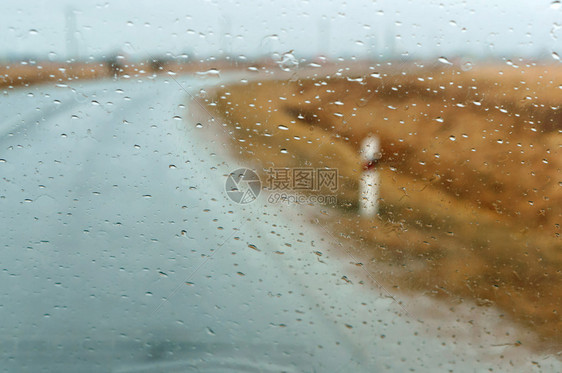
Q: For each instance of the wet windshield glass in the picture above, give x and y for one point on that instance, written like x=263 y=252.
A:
x=301 y=186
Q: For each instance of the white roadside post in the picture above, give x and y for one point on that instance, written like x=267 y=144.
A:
x=370 y=178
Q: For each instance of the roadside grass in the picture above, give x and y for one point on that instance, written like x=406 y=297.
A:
x=18 y=74
x=23 y=74
x=471 y=194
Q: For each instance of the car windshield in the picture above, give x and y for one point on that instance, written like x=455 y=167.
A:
x=280 y=186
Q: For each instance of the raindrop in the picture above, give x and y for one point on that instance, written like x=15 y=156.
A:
x=288 y=61
x=177 y=117
x=199 y=125
x=452 y=138
x=213 y=71
x=33 y=31
x=555 y=56
x=445 y=61
x=282 y=127
x=555 y=5
x=172 y=166
x=146 y=196
x=284 y=151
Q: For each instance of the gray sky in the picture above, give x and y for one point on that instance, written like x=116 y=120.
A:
x=337 y=28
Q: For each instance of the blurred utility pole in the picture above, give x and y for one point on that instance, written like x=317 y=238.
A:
x=71 y=39
x=323 y=37
x=390 y=44
x=225 y=35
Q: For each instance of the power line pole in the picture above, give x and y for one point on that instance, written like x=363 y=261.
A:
x=71 y=30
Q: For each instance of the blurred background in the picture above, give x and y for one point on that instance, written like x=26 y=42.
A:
x=67 y=30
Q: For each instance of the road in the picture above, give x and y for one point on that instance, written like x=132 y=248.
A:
x=122 y=253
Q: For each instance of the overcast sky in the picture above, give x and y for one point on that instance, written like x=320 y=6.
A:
x=250 y=28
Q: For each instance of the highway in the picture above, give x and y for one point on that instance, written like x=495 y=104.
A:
x=121 y=252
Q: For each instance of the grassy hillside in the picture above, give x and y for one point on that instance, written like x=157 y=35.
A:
x=471 y=195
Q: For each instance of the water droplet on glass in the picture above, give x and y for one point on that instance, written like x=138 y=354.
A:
x=210 y=72
x=444 y=60
x=282 y=127
x=288 y=61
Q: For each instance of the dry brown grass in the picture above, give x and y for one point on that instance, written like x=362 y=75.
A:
x=18 y=74
x=471 y=194
x=25 y=74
